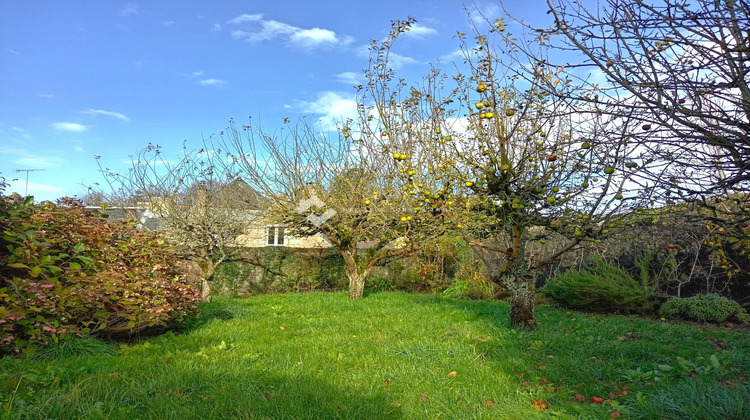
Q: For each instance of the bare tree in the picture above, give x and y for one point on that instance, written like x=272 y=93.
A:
x=679 y=73
x=201 y=206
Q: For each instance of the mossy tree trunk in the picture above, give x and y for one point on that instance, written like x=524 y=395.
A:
x=520 y=283
x=354 y=274
x=508 y=268
x=356 y=285
x=208 y=268
x=521 y=291
x=359 y=266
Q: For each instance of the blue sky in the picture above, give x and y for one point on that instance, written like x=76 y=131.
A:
x=85 y=78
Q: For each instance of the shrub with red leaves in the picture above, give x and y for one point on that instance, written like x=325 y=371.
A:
x=65 y=271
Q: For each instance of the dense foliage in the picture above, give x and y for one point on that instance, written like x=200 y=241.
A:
x=705 y=308
x=441 y=263
x=67 y=272
x=278 y=270
x=602 y=286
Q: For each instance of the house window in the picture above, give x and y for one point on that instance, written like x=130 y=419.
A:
x=275 y=236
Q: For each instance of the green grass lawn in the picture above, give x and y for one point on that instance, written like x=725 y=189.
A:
x=389 y=355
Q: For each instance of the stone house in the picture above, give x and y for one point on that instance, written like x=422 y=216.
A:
x=237 y=199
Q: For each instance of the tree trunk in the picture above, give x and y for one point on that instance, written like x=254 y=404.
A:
x=521 y=289
x=193 y=272
x=208 y=268
x=356 y=280
x=205 y=290
x=355 y=276
x=356 y=285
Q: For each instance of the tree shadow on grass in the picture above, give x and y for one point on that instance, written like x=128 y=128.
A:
x=605 y=355
x=263 y=395
x=223 y=308
x=196 y=391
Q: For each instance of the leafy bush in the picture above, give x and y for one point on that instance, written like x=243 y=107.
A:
x=379 y=283
x=601 y=286
x=66 y=272
x=704 y=308
x=475 y=287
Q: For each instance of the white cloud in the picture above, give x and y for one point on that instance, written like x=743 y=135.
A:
x=41 y=162
x=419 y=31
x=130 y=9
x=79 y=149
x=331 y=108
x=23 y=132
x=349 y=77
x=314 y=37
x=395 y=60
x=168 y=22
x=216 y=28
x=44 y=187
x=40 y=192
x=246 y=18
x=207 y=81
x=241 y=34
x=597 y=77
x=212 y=82
x=484 y=12
x=270 y=29
x=45 y=95
x=19 y=185
x=455 y=55
x=14 y=151
x=95 y=112
x=260 y=29
x=69 y=126
x=12 y=51
x=398 y=60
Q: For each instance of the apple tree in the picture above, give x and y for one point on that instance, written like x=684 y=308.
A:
x=333 y=184
x=522 y=175
x=678 y=71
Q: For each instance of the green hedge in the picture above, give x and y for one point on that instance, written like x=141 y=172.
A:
x=283 y=269
x=704 y=308
x=280 y=269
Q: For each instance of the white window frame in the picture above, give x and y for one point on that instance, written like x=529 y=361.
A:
x=275 y=230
